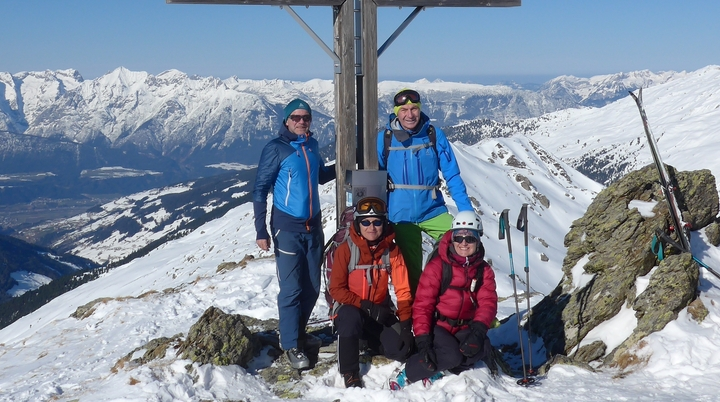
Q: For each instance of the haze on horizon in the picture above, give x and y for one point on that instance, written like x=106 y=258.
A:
x=537 y=41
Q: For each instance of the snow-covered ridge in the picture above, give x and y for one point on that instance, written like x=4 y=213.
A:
x=186 y=117
x=608 y=142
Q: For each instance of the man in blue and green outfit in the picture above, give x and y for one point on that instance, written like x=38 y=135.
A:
x=290 y=165
x=413 y=152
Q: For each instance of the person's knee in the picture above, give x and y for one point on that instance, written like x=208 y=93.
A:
x=348 y=321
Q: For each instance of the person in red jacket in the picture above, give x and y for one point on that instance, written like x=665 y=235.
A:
x=363 y=306
x=451 y=328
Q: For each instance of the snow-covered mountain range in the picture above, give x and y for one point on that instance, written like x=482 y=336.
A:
x=609 y=142
x=198 y=120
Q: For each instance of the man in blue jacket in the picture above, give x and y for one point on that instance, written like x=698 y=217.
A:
x=291 y=166
x=414 y=152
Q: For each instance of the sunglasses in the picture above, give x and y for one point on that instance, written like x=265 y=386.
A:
x=371 y=205
x=408 y=95
x=467 y=239
x=296 y=118
x=367 y=222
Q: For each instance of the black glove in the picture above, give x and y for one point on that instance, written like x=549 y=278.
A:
x=379 y=313
x=406 y=336
x=428 y=360
x=475 y=341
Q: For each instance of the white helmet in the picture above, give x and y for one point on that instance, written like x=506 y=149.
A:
x=468 y=220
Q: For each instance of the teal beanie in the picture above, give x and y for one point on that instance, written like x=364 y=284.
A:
x=296 y=104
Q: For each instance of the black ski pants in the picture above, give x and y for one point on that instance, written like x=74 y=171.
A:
x=353 y=325
x=447 y=352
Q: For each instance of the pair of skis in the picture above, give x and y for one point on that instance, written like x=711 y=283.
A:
x=680 y=227
x=528 y=372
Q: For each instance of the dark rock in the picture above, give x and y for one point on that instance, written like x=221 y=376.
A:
x=221 y=339
x=155 y=349
x=609 y=249
x=562 y=359
x=697 y=310
x=713 y=233
x=588 y=353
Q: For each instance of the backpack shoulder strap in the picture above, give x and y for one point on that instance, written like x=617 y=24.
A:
x=475 y=284
x=355 y=258
x=479 y=277
x=354 y=255
x=433 y=137
x=387 y=139
x=446 y=277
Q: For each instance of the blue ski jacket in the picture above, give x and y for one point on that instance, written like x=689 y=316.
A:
x=413 y=167
x=292 y=167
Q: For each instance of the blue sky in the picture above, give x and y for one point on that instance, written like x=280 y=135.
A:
x=532 y=43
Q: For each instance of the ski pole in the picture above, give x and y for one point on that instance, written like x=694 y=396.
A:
x=505 y=233
x=522 y=223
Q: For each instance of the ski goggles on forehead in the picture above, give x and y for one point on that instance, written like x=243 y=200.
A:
x=371 y=205
x=408 y=95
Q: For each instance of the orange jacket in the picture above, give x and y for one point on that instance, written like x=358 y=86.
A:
x=353 y=287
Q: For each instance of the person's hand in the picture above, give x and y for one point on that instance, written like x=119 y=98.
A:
x=379 y=313
x=406 y=336
x=428 y=359
x=475 y=341
x=264 y=244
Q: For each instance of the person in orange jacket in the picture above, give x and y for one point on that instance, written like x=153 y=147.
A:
x=363 y=306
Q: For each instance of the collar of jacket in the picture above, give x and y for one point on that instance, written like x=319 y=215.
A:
x=362 y=243
x=292 y=137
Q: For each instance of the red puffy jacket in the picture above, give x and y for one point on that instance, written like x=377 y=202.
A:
x=458 y=302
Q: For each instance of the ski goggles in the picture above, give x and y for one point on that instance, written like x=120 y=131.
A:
x=408 y=95
x=368 y=222
x=370 y=206
x=467 y=239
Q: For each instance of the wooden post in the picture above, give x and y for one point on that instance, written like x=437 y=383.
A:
x=370 y=84
x=345 y=106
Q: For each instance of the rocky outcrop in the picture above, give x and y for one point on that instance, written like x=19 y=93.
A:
x=609 y=261
x=221 y=339
x=224 y=339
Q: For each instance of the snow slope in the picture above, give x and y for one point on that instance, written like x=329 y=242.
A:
x=48 y=355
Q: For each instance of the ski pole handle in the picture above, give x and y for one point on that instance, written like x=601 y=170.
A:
x=505 y=228
x=522 y=222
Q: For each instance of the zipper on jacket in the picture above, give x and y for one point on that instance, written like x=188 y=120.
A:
x=309 y=183
x=462 y=293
